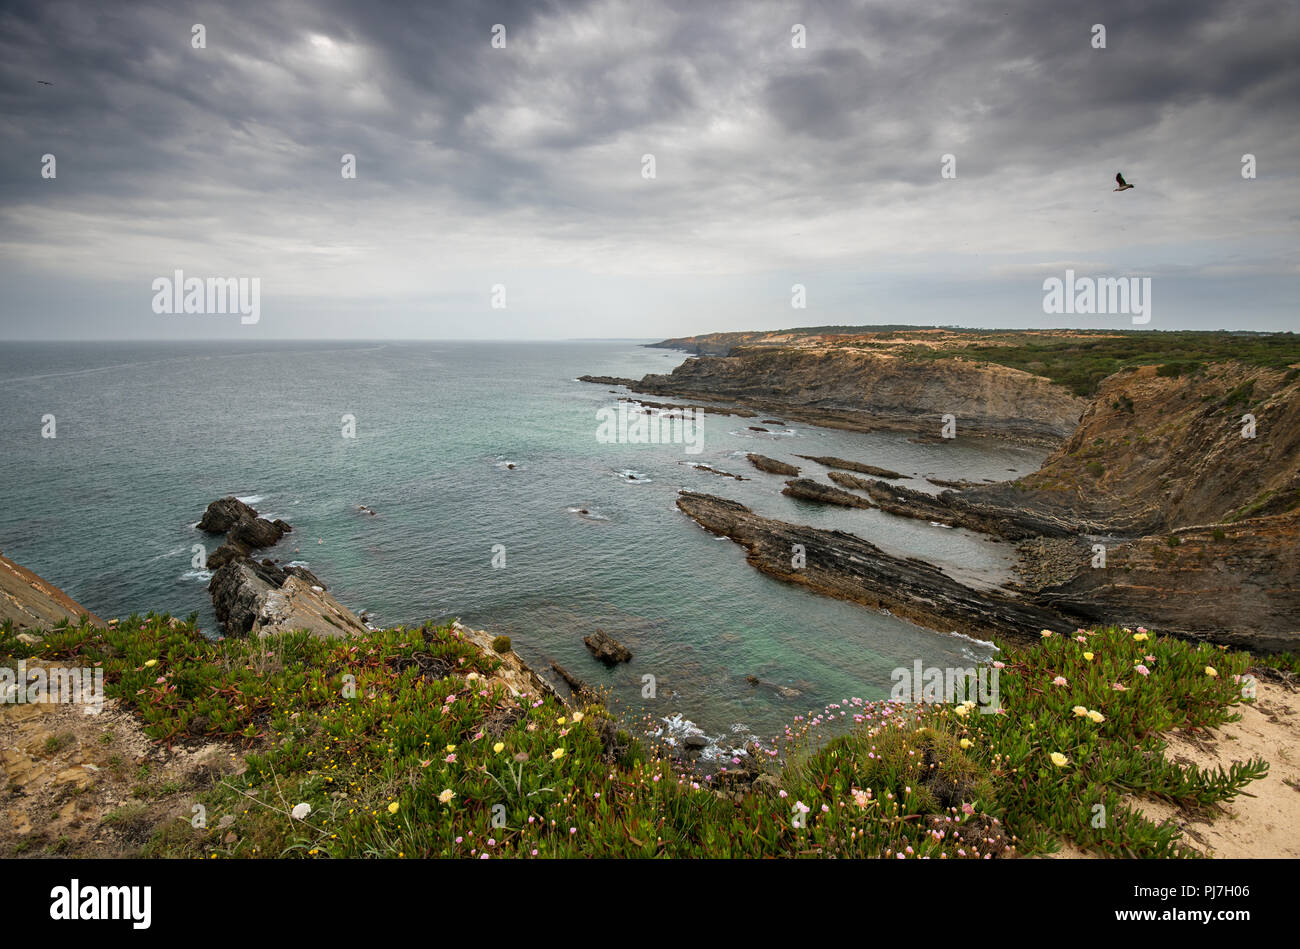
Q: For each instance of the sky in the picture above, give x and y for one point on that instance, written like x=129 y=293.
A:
x=502 y=189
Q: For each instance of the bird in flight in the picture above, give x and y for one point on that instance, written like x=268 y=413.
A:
x=1123 y=185
x=42 y=82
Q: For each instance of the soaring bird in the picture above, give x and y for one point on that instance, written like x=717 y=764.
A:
x=42 y=82
x=1123 y=185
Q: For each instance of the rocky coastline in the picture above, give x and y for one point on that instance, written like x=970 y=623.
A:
x=1170 y=498
x=869 y=391
x=845 y=566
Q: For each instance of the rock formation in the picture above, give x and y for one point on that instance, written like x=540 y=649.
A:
x=253 y=599
x=245 y=531
x=605 y=648
x=845 y=465
x=810 y=490
x=862 y=390
x=30 y=602
x=772 y=466
x=845 y=566
x=1174 y=504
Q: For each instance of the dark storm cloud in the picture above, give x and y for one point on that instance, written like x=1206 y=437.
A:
x=770 y=158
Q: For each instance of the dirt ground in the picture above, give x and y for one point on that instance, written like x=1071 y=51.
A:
x=73 y=784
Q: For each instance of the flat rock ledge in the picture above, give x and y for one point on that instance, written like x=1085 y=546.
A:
x=842 y=565
x=809 y=490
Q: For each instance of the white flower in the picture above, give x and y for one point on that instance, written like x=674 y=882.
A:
x=301 y=811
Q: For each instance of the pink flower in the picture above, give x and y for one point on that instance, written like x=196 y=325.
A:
x=1119 y=687
x=450 y=758
x=999 y=665
x=1142 y=670
x=1059 y=680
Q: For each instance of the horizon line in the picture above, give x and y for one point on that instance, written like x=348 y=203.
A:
x=884 y=328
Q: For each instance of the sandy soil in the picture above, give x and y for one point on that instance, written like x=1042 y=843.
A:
x=1264 y=821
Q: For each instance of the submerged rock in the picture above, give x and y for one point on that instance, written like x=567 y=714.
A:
x=717 y=471
x=605 y=648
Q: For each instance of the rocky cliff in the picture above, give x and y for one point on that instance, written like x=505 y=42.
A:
x=1157 y=452
x=32 y=603
x=860 y=389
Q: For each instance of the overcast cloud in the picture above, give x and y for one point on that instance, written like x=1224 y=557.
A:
x=522 y=166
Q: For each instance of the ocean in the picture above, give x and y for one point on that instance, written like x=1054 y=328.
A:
x=146 y=434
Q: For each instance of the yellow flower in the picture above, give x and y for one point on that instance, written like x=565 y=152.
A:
x=557 y=754
x=967 y=743
x=1140 y=637
x=1087 y=657
x=1045 y=633
x=499 y=747
x=150 y=662
x=577 y=716
x=446 y=796
x=1079 y=711
x=560 y=720
x=1212 y=672
x=1059 y=759
x=451 y=748
x=1096 y=716
x=392 y=808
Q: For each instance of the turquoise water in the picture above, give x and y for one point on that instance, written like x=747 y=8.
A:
x=148 y=434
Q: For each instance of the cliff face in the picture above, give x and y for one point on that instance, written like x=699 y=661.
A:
x=859 y=389
x=1238 y=585
x=32 y=603
x=1155 y=453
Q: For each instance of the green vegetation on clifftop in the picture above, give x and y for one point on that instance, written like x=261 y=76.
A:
x=403 y=745
x=1080 y=361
